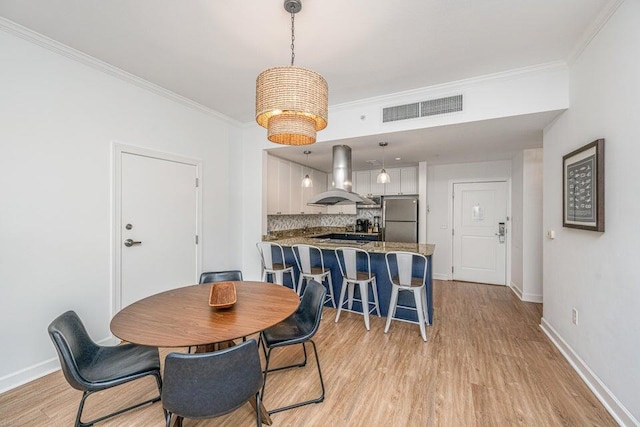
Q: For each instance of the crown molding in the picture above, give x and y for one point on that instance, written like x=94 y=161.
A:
x=41 y=40
x=592 y=30
x=451 y=86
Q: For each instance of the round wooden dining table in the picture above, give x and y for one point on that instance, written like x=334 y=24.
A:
x=182 y=317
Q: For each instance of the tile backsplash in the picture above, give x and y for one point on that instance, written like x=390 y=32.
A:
x=291 y=222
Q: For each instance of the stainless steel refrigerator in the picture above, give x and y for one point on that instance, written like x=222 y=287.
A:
x=400 y=219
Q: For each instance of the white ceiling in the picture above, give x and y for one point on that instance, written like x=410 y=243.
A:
x=212 y=51
x=498 y=139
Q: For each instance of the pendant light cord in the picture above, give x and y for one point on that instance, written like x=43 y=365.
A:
x=293 y=37
x=383 y=158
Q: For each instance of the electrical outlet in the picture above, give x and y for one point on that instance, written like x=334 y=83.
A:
x=574 y=316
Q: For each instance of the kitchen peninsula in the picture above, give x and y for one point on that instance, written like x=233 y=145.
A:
x=377 y=251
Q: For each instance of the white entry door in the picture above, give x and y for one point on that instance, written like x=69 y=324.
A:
x=479 y=232
x=157 y=226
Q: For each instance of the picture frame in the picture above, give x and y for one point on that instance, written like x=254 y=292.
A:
x=583 y=187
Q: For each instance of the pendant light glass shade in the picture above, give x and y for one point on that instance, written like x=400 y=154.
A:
x=383 y=176
x=306 y=181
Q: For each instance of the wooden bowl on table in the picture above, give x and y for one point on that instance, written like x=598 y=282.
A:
x=223 y=295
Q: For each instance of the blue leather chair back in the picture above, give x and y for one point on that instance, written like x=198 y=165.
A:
x=221 y=276
x=206 y=385
x=75 y=348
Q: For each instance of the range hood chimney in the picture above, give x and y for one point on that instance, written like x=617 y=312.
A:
x=341 y=186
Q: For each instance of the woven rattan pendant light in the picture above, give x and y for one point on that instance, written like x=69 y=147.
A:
x=291 y=102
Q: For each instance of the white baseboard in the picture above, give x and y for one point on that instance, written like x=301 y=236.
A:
x=31 y=373
x=438 y=276
x=23 y=376
x=524 y=296
x=604 y=395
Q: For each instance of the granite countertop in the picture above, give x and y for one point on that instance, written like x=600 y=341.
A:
x=372 y=247
x=310 y=232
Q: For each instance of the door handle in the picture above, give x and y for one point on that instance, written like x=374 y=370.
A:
x=502 y=230
x=128 y=243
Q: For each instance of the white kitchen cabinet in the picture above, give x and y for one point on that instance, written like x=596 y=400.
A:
x=394 y=185
x=403 y=181
x=284 y=187
x=409 y=180
x=272 y=185
x=278 y=183
x=319 y=186
x=376 y=189
x=362 y=182
x=296 y=189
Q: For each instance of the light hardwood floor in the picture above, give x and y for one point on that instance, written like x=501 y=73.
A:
x=486 y=363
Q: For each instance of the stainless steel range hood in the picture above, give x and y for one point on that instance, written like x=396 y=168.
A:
x=341 y=193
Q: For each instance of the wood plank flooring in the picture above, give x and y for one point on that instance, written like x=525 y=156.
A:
x=486 y=363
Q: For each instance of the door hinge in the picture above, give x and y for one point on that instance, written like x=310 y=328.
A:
x=197 y=182
x=452 y=233
x=196 y=239
x=452 y=269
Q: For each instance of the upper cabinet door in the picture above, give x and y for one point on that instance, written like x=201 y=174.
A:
x=409 y=180
x=319 y=186
x=295 y=186
x=284 y=190
x=376 y=189
x=362 y=182
x=272 y=185
x=393 y=187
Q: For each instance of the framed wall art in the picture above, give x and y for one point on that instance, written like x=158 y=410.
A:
x=583 y=187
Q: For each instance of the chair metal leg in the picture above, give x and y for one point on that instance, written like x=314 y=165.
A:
x=307 y=402
x=374 y=286
x=392 y=307
x=167 y=418
x=418 y=298
x=364 y=298
x=258 y=417
x=341 y=300
x=333 y=300
x=300 y=281
x=268 y=358
x=350 y=290
x=86 y=394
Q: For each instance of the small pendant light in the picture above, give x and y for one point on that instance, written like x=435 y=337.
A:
x=383 y=176
x=306 y=181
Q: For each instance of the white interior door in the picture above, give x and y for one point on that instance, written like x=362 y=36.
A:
x=157 y=226
x=479 y=245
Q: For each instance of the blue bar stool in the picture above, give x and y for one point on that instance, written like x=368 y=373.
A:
x=274 y=267
x=408 y=273
x=351 y=277
x=304 y=255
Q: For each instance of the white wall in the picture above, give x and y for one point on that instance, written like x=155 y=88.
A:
x=58 y=119
x=526 y=225
x=517 y=179
x=439 y=190
x=532 y=225
x=594 y=272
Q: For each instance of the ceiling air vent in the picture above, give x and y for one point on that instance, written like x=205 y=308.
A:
x=431 y=107
x=441 y=106
x=401 y=112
